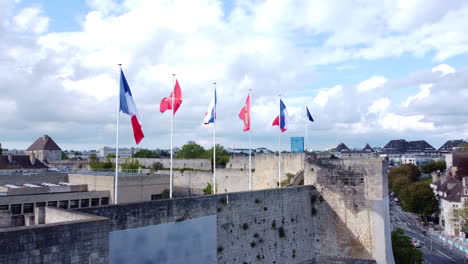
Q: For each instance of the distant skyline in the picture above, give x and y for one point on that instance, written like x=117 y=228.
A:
x=369 y=72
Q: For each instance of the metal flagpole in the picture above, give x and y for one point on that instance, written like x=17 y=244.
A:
x=279 y=144
x=116 y=177
x=171 y=182
x=214 y=140
x=250 y=142
x=307 y=126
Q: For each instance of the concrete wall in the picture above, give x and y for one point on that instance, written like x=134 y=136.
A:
x=357 y=192
x=131 y=188
x=19 y=179
x=199 y=164
x=240 y=162
x=80 y=241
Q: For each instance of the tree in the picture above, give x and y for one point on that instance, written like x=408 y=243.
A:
x=434 y=166
x=144 y=153
x=130 y=165
x=410 y=171
x=64 y=156
x=110 y=156
x=398 y=183
x=156 y=166
x=1 y=150
x=460 y=217
x=419 y=199
x=191 y=151
x=403 y=250
x=222 y=156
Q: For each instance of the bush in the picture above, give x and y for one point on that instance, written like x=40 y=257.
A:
x=156 y=166
x=208 y=190
x=434 y=166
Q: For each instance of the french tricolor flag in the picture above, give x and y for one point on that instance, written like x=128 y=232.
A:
x=282 y=119
x=127 y=106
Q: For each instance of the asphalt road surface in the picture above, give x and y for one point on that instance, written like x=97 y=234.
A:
x=433 y=248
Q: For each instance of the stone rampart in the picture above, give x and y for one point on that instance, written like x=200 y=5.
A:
x=357 y=192
x=79 y=241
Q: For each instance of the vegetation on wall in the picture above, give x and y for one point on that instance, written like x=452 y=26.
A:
x=64 y=155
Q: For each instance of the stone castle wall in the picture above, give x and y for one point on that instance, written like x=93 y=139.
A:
x=357 y=192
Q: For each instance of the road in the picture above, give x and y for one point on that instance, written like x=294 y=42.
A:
x=433 y=249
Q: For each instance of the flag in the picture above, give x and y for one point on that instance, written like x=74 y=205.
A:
x=127 y=106
x=282 y=119
x=210 y=115
x=309 y=115
x=166 y=102
x=244 y=114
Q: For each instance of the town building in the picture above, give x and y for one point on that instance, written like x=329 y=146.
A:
x=450 y=145
x=342 y=151
x=21 y=163
x=123 y=152
x=45 y=149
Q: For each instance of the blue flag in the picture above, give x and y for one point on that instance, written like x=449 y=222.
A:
x=309 y=115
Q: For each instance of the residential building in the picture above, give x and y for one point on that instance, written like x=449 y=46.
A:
x=450 y=145
x=21 y=163
x=123 y=152
x=342 y=151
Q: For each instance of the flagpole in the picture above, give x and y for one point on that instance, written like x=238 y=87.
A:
x=171 y=176
x=307 y=126
x=279 y=144
x=116 y=177
x=250 y=142
x=214 y=139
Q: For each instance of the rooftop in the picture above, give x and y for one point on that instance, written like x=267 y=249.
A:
x=44 y=143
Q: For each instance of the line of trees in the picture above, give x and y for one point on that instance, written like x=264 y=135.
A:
x=416 y=196
x=192 y=150
x=434 y=166
x=403 y=250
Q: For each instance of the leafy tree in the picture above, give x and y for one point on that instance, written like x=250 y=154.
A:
x=95 y=164
x=419 y=199
x=191 y=151
x=410 y=171
x=398 y=183
x=130 y=165
x=403 y=250
x=93 y=158
x=434 y=166
x=64 y=156
x=1 y=150
x=110 y=156
x=144 y=153
x=156 y=166
x=222 y=156
x=161 y=153
x=460 y=217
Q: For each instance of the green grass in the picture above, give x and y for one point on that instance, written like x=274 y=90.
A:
x=427 y=180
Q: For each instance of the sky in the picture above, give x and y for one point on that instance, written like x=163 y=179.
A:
x=369 y=71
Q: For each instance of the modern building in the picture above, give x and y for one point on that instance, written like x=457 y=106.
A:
x=450 y=145
x=123 y=152
x=45 y=149
x=297 y=144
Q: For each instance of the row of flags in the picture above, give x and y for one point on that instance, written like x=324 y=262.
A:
x=174 y=101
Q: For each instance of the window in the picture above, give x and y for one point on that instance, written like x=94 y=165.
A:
x=16 y=208
x=104 y=200
x=40 y=204
x=4 y=207
x=74 y=204
x=84 y=203
x=63 y=204
x=95 y=202
x=52 y=203
x=28 y=208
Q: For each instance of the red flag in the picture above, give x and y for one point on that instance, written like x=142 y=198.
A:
x=166 y=102
x=245 y=114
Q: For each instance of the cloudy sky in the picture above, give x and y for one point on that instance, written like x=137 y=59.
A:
x=369 y=71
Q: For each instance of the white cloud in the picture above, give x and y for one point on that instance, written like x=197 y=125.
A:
x=402 y=123
x=379 y=106
x=424 y=91
x=444 y=69
x=30 y=19
x=371 y=83
x=324 y=95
